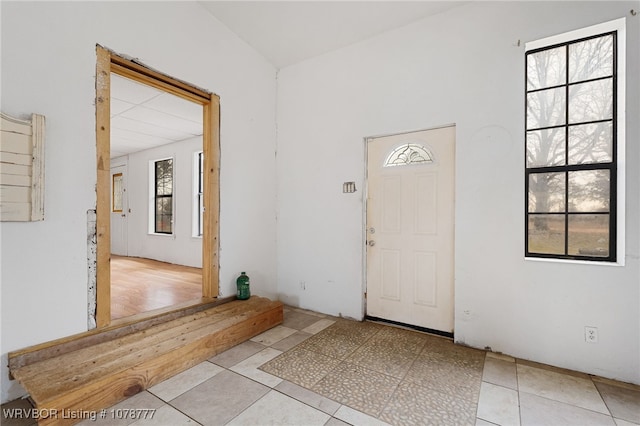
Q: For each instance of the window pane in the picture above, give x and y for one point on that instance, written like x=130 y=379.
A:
x=589 y=191
x=201 y=170
x=546 y=234
x=408 y=154
x=546 y=192
x=591 y=101
x=591 y=143
x=545 y=147
x=546 y=108
x=589 y=235
x=201 y=216
x=591 y=59
x=164 y=214
x=164 y=177
x=546 y=68
x=160 y=187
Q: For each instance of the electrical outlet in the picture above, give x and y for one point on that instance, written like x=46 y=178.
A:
x=303 y=285
x=591 y=334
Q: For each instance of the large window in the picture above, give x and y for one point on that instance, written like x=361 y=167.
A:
x=163 y=184
x=573 y=146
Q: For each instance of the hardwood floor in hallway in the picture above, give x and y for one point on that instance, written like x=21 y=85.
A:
x=140 y=285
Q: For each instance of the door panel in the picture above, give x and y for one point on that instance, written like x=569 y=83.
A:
x=391 y=275
x=426 y=195
x=426 y=276
x=390 y=203
x=410 y=228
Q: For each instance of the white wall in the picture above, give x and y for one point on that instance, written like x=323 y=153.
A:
x=48 y=67
x=464 y=66
x=181 y=247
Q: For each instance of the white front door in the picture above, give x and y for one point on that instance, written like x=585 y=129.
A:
x=119 y=210
x=410 y=228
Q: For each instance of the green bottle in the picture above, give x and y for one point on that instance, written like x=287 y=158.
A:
x=243 y=286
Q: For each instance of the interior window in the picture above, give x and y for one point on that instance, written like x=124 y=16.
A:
x=572 y=148
x=164 y=196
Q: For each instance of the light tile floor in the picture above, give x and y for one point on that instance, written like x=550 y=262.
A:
x=319 y=370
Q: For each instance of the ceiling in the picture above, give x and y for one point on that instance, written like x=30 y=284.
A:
x=287 y=32
x=284 y=32
x=143 y=117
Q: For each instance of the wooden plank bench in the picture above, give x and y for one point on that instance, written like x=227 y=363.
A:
x=99 y=368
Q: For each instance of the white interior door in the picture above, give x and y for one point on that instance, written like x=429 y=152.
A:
x=119 y=210
x=410 y=228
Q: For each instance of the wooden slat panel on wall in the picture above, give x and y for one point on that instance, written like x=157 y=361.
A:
x=15 y=194
x=18 y=143
x=16 y=169
x=13 y=158
x=22 y=179
x=14 y=211
x=21 y=168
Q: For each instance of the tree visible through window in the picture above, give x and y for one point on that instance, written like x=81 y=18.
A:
x=164 y=196
x=571 y=156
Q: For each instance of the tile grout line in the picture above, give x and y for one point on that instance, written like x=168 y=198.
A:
x=402 y=379
x=182 y=412
x=344 y=360
x=602 y=398
x=273 y=388
x=341 y=361
x=569 y=404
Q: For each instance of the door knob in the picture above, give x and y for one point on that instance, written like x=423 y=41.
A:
x=372 y=243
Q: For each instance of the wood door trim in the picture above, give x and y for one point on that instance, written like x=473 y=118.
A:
x=103 y=182
x=106 y=63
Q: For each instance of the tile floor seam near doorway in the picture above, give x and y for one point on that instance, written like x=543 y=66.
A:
x=331 y=371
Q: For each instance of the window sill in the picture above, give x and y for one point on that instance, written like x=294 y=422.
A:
x=578 y=262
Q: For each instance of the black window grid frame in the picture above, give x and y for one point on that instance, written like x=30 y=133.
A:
x=612 y=166
x=158 y=197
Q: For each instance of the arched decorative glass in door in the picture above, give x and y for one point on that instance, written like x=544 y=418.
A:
x=409 y=154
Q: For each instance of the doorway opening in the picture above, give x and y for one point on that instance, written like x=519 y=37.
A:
x=114 y=208
x=410 y=229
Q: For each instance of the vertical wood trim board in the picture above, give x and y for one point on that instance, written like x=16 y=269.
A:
x=103 y=185
x=211 y=217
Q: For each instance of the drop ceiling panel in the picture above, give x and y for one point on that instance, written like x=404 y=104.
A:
x=147 y=129
x=177 y=106
x=130 y=91
x=118 y=106
x=163 y=121
x=137 y=140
